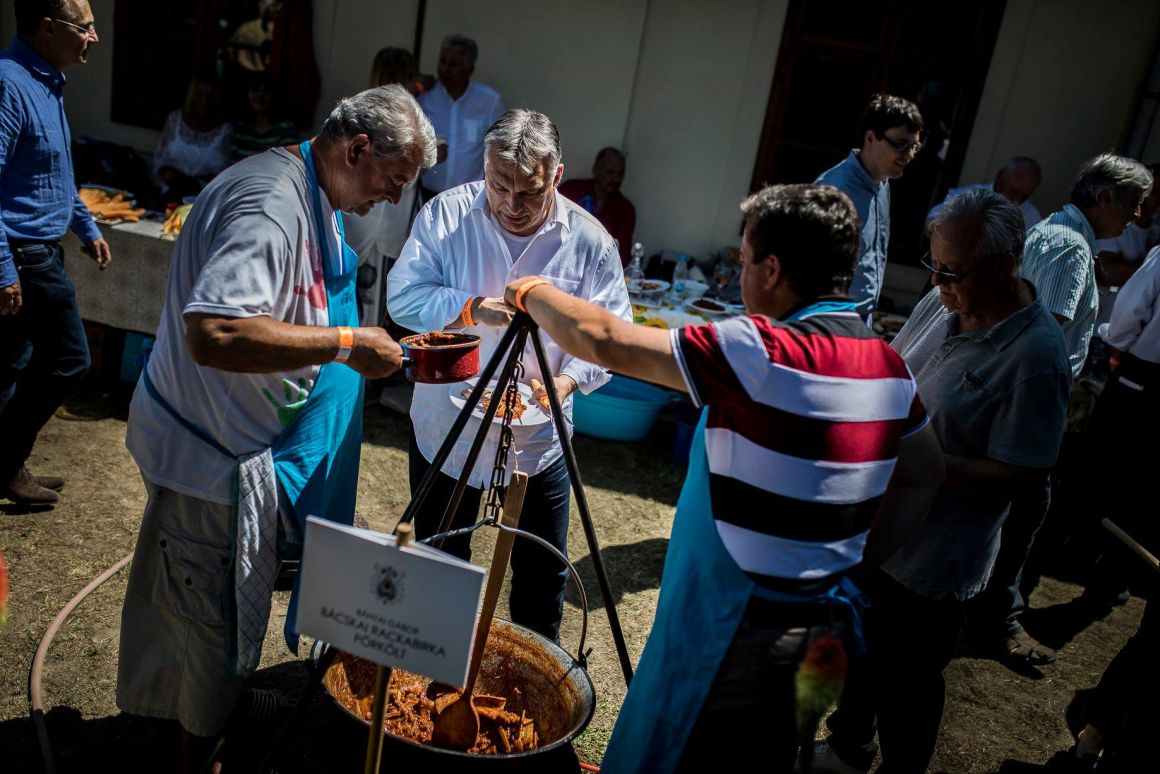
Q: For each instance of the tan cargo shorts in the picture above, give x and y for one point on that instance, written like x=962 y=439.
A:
x=172 y=660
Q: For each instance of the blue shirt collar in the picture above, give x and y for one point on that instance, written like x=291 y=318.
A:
x=28 y=56
x=1082 y=226
x=861 y=173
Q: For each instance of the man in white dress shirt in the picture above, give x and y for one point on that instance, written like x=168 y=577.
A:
x=461 y=111
x=466 y=245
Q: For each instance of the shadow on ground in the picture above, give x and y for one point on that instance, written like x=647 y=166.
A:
x=631 y=568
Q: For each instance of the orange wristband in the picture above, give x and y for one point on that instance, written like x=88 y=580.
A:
x=468 y=320
x=523 y=291
x=345 y=344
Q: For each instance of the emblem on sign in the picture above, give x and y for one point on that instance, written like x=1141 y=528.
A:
x=388 y=583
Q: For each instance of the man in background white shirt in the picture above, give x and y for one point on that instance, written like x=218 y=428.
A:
x=1016 y=180
x=466 y=245
x=461 y=111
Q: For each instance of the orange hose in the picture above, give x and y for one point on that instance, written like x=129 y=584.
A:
x=588 y=767
x=36 y=673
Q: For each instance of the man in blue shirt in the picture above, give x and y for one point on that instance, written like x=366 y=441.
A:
x=890 y=128
x=43 y=351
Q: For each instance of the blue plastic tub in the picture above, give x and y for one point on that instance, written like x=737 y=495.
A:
x=625 y=409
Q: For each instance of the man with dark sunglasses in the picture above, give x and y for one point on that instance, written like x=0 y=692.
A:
x=889 y=129
x=43 y=352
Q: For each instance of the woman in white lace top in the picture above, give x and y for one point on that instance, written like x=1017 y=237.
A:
x=194 y=144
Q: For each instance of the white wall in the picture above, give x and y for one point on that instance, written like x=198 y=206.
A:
x=1061 y=88
x=697 y=111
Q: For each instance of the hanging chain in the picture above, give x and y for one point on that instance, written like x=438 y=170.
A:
x=493 y=508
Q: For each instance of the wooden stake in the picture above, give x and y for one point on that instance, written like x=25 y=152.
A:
x=1127 y=540
x=404 y=535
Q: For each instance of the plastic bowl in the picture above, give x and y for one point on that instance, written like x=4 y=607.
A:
x=625 y=409
x=694 y=289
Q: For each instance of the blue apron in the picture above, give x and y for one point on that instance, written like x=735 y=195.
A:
x=316 y=456
x=703 y=598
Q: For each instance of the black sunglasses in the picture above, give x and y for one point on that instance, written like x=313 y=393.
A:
x=949 y=277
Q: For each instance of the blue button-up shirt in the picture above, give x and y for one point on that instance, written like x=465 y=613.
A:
x=1059 y=259
x=872 y=201
x=38 y=195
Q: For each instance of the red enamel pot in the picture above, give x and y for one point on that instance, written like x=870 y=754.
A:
x=440 y=358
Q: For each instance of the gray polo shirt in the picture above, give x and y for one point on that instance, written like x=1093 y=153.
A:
x=1000 y=394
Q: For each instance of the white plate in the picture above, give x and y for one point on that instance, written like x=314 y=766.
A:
x=533 y=414
x=654 y=286
x=692 y=307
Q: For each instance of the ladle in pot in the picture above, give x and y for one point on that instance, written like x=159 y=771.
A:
x=457 y=726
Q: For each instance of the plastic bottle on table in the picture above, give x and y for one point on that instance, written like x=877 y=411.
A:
x=680 y=277
x=634 y=270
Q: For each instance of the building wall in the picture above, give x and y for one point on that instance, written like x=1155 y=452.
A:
x=682 y=86
x=1062 y=86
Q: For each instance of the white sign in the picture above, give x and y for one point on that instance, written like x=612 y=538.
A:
x=411 y=607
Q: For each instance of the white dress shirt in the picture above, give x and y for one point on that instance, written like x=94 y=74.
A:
x=457 y=252
x=463 y=122
x=1135 y=324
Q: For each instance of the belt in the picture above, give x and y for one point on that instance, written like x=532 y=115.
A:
x=16 y=244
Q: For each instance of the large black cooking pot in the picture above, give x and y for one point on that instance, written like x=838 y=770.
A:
x=553 y=687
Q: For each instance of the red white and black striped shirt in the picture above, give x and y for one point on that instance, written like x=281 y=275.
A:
x=802 y=435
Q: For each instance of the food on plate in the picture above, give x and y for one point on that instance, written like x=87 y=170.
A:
x=655 y=322
x=648 y=287
x=176 y=221
x=541 y=396
x=485 y=400
x=107 y=207
x=707 y=305
x=413 y=699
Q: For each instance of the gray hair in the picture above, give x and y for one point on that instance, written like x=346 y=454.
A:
x=464 y=43
x=1127 y=178
x=1016 y=163
x=984 y=220
x=525 y=138
x=390 y=117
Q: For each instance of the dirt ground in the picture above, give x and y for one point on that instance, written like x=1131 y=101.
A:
x=997 y=720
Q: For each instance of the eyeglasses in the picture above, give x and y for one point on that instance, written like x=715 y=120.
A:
x=949 y=277
x=87 y=30
x=902 y=146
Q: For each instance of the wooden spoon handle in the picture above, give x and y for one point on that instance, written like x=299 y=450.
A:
x=513 y=503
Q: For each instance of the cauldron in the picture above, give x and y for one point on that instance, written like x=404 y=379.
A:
x=554 y=689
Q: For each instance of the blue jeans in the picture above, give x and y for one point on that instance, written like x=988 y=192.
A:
x=538 y=577
x=43 y=352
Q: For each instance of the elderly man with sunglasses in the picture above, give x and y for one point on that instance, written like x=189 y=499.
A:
x=992 y=370
x=889 y=128
x=43 y=352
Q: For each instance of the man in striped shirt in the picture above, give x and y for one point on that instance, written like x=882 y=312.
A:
x=813 y=457
x=991 y=365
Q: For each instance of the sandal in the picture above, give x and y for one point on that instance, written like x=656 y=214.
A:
x=1023 y=647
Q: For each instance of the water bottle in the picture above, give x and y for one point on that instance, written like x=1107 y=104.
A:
x=635 y=271
x=680 y=277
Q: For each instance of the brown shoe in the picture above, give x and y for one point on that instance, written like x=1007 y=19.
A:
x=1023 y=647
x=24 y=490
x=55 y=483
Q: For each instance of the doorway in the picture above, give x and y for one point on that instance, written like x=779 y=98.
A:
x=835 y=54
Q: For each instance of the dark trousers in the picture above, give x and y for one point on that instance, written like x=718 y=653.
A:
x=538 y=577
x=996 y=611
x=752 y=700
x=1130 y=681
x=897 y=686
x=43 y=352
x=1123 y=470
